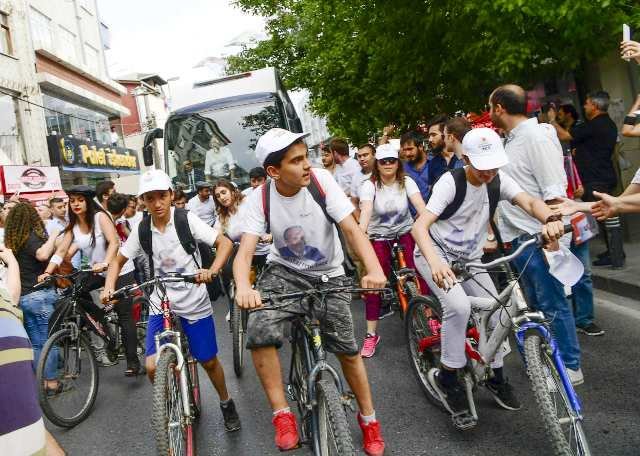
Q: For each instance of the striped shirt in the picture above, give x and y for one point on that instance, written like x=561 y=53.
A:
x=21 y=425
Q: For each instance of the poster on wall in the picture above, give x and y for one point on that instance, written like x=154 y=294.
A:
x=74 y=154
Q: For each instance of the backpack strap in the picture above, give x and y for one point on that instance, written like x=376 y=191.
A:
x=266 y=204
x=493 y=189
x=460 y=179
x=185 y=235
x=144 y=235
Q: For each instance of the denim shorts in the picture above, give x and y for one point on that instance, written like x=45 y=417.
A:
x=265 y=328
x=201 y=336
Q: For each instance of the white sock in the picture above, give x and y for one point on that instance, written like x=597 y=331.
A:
x=368 y=419
x=282 y=410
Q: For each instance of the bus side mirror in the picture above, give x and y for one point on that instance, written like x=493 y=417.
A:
x=147 y=149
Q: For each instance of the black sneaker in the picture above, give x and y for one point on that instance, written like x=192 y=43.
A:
x=453 y=397
x=590 y=330
x=504 y=395
x=230 y=416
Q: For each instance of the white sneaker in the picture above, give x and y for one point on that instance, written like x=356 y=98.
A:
x=575 y=376
x=228 y=317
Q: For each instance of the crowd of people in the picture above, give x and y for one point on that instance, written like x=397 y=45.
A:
x=458 y=193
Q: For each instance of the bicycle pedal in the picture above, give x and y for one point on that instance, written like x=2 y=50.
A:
x=464 y=421
x=347 y=401
x=291 y=395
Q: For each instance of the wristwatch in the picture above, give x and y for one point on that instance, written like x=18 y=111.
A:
x=491 y=237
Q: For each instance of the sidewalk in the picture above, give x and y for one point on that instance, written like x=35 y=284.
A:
x=623 y=282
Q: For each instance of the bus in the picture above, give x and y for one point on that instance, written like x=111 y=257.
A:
x=214 y=136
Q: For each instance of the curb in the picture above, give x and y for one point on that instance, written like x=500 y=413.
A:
x=615 y=286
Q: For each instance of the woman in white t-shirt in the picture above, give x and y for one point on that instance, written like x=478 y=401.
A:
x=384 y=216
x=92 y=231
x=463 y=235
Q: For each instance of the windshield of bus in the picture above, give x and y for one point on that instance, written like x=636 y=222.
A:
x=217 y=143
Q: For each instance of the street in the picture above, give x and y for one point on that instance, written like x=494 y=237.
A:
x=120 y=421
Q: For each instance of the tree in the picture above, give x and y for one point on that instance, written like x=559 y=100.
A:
x=370 y=62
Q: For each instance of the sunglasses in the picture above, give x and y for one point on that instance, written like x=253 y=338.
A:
x=387 y=161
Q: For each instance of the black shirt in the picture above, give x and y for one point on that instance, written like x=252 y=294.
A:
x=594 y=142
x=30 y=267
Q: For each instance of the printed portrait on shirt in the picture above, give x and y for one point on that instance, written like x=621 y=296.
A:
x=296 y=249
x=167 y=263
x=390 y=213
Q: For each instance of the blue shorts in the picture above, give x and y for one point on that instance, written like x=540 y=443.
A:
x=201 y=335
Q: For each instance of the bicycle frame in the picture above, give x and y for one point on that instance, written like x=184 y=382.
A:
x=400 y=273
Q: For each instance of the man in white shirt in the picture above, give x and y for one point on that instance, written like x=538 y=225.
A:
x=366 y=159
x=346 y=167
x=188 y=301
x=202 y=204
x=218 y=161
x=536 y=163
x=294 y=217
x=58 y=223
x=257 y=177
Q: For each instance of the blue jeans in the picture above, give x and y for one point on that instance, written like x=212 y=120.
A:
x=546 y=294
x=37 y=308
x=582 y=292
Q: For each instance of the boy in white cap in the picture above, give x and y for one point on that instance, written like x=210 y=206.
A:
x=189 y=302
x=452 y=229
x=299 y=226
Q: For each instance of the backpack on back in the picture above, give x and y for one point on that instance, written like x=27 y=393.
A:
x=320 y=197
x=185 y=236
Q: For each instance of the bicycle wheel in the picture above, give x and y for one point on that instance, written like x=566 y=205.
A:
x=422 y=332
x=298 y=387
x=334 y=436
x=173 y=431
x=76 y=373
x=238 y=339
x=561 y=422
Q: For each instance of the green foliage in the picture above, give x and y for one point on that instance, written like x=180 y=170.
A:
x=371 y=62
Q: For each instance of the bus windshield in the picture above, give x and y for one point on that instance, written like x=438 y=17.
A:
x=217 y=143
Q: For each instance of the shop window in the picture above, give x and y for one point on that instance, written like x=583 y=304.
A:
x=5 y=35
x=40 y=30
x=68 y=48
x=11 y=148
x=66 y=118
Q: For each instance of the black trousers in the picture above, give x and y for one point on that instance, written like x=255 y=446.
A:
x=123 y=309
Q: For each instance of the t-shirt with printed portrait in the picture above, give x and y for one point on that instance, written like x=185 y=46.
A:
x=303 y=238
x=463 y=234
x=390 y=216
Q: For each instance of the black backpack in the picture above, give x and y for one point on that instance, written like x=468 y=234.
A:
x=493 y=190
x=320 y=197
x=185 y=236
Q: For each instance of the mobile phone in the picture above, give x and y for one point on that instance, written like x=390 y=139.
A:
x=626 y=36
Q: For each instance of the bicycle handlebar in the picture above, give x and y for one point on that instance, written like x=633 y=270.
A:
x=533 y=239
x=51 y=277
x=172 y=277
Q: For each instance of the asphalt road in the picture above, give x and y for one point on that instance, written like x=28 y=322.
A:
x=120 y=422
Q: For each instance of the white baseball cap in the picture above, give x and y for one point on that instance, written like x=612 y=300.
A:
x=386 y=151
x=154 y=180
x=274 y=140
x=484 y=148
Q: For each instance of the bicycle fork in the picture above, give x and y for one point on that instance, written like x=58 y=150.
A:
x=180 y=367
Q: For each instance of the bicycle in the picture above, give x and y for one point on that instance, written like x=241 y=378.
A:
x=176 y=390
x=558 y=403
x=77 y=370
x=321 y=402
x=403 y=280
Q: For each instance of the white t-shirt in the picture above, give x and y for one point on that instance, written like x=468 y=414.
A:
x=464 y=233
x=357 y=181
x=636 y=178
x=98 y=252
x=187 y=299
x=536 y=163
x=235 y=227
x=344 y=174
x=206 y=211
x=303 y=238
x=390 y=216
x=133 y=221
x=247 y=191
x=218 y=162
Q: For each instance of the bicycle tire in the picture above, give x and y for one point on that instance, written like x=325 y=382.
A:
x=238 y=339
x=416 y=327
x=332 y=421
x=299 y=390
x=167 y=406
x=541 y=370
x=50 y=404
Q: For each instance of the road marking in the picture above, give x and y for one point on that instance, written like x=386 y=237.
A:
x=624 y=310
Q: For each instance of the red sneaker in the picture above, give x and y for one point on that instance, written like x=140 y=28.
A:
x=286 y=431
x=373 y=441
